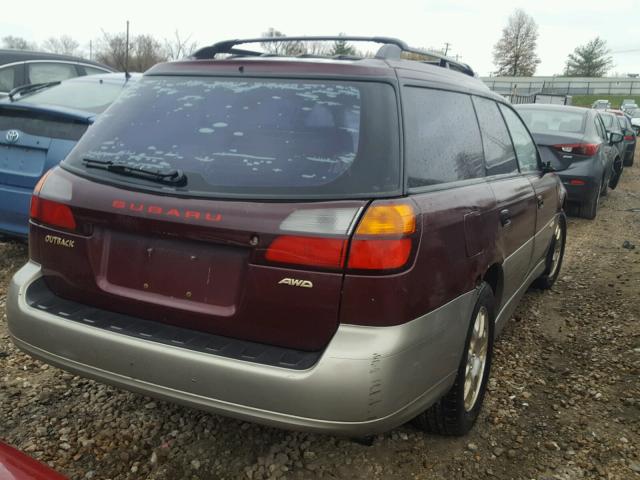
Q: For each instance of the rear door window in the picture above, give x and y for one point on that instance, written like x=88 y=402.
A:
x=41 y=72
x=499 y=154
x=82 y=94
x=7 y=78
x=525 y=147
x=442 y=138
x=253 y=137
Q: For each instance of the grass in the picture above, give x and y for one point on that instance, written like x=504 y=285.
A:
x=616 y=100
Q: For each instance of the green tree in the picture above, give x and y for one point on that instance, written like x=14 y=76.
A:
x=515 y=53
x=341 y=47
x=590 y=60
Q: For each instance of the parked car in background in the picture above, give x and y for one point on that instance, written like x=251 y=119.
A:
x=20 y=67
x=601 y=104
x=629 y=143
x=575 y=143
x=247 y=236
x=39 y=125
x=628 y=104
x=612 y=126
x=16 y=465
x=634 y=118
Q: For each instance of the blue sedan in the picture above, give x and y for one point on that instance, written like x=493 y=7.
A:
x=39 y=125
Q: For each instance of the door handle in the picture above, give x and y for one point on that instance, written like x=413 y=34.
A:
x=505 y=217
x=540 y=201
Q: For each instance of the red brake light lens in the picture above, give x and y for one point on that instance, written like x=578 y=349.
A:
x=588 y=149
x=311 y=251
x=628 y=138
x=52 y=213
x=379 y=254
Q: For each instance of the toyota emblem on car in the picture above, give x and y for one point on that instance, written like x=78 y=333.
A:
x=12 y=136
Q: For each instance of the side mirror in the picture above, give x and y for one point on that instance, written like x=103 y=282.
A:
x=547 y=168
x=615 y=137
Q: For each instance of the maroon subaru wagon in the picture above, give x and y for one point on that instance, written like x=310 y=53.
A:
x=325 y=244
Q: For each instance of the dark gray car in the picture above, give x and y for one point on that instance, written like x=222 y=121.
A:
x=629 y=139
x=610 y=121
x=18 y=67
x=575 y=143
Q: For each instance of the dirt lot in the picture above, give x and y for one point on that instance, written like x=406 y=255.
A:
x=564 y=400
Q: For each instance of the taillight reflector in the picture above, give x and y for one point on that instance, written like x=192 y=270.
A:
x=576 y=181
x=588 y=149
x=311 y=251
x=52 y=213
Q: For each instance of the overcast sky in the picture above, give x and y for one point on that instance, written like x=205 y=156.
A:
x=471 y=26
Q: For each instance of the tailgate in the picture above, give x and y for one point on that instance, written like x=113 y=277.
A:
x=198 y=264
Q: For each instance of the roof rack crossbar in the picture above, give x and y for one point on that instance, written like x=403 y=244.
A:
x=391 y=49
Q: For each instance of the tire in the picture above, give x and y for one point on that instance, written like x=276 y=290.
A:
x=588 y=209
x=554 y=258
x=629 y=161
x=450 y=415
x=617 y=173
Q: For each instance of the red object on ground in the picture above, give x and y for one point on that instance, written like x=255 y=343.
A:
x=15 y=465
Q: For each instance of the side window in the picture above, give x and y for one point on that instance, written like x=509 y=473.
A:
x=600 y=127
x=525 y=146
x=93 y=71
x=41 y=72
x=498 y=149
x=7 y=78
x=442 y=137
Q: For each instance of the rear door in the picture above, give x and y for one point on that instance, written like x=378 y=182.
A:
x=515 y=200
x=544 y=186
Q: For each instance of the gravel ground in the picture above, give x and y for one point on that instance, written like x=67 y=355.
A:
x=564 y=399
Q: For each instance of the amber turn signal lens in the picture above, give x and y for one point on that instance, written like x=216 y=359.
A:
x=397 y=219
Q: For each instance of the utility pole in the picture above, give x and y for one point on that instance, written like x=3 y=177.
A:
x=446 y=49
x=126 y=55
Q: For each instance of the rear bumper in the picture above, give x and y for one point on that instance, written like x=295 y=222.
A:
x=579 y=193
x=368 y=380
x=14 y=210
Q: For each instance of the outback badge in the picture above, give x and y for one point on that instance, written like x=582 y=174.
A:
x=62 y=242
x=294 y=282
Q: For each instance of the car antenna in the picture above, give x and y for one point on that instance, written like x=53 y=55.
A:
x=127 y=75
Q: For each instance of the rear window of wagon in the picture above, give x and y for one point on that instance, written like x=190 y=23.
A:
x=252 y=137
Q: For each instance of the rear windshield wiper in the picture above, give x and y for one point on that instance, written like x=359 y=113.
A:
x=33 y=87
x=170 y=177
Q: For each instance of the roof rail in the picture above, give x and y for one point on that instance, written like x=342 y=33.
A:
x=391 y=49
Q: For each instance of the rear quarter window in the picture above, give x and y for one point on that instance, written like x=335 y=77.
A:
x=254 y=137
x=442 y=138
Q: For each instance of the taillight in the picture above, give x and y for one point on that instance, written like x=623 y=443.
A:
x=383 y=238
x=628 y=138
x=588 y=149
x=319 y=238
x=52 y=213
x=311 y=251
x=45 y=205
x=316 y=237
